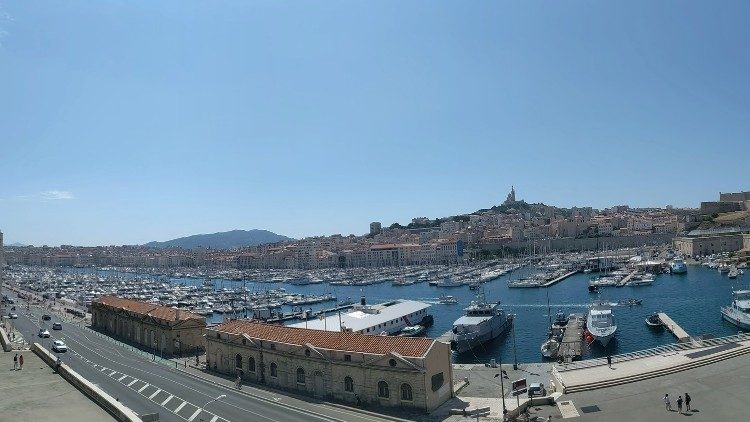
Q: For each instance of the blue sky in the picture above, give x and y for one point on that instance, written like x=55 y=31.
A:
x=128 y=121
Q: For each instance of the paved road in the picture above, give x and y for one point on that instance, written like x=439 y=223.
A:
x=150 y=387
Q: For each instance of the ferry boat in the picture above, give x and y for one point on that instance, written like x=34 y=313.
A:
x=739 y=312
x=481 y=323
x=678 y=266
x=600 y=323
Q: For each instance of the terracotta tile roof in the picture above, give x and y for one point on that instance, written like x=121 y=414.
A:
x=145 y=308
x=333 y=340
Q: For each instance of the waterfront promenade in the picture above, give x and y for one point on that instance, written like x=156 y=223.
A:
x=38 y=393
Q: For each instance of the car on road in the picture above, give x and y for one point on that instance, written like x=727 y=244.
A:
x=57 y=326
x=43 y=333
x=537 y=389
x=46 y=317
x=59 y=347
x=13 y=316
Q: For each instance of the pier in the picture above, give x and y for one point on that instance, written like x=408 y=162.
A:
x=559 y=279
x=682 y=335
x=571 y=346
x=627 y=278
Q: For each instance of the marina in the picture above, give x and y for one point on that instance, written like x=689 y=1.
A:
x=693 y=298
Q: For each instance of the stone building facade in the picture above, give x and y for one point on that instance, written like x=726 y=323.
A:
x=708 y=244
x=170 y=331
x=407 y=372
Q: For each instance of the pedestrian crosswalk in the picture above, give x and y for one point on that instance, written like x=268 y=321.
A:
x=176 y=405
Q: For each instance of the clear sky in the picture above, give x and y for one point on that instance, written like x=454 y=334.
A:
x=128 y=121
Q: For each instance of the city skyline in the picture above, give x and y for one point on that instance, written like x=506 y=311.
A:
x=133 y=122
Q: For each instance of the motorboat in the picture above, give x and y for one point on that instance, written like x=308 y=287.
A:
x=733 y=273
x=600 y=323
x=561 y=320
x=654 y=321
x=550 y=348
x=481 y=323
x=449 y=282
x=738 y=313
x=677 y=266
x=412 y=331
x=629 y=302
x=447 y=300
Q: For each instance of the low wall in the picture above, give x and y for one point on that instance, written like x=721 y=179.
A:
x=5 y=341
x=107 y=402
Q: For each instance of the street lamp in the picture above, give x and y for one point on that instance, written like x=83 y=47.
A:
x=502 y=387
x=515 y=354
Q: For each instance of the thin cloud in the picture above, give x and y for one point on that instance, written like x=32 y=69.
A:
x=48 y=195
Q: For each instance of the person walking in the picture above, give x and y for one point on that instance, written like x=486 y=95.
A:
x=687 y=402
x=667 y=403
x=679 y=404
x=15 y=362
x=20 y=362
x=238 y=382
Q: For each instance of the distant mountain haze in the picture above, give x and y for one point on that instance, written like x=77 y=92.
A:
x=222 y=240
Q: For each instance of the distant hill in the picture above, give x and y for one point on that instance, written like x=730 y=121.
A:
x=222 y=240
x=16 y=244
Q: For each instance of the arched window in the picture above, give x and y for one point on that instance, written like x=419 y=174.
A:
x=274 y=370
x=349 y=384
x=238 y=361
x=251 y=364
x=406 y=392
x=300 y=376
x=383 y=390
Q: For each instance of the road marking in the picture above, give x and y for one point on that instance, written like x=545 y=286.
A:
x=158 y=390
x=190 y=419
x=167 y=400
x=568 y=409
x=132 y=382
x=144 y=387
x=103 y=369
x=112 y=373
x=215 y=418
x=180 y=407
x=122 y=378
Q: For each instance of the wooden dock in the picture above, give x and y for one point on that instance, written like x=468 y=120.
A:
x=572 y=342
x=682 y=335
x=558 y=279
x=627 y=278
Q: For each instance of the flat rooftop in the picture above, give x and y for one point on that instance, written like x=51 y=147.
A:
x=358 y=319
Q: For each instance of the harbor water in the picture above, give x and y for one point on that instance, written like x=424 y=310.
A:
x=692 y=300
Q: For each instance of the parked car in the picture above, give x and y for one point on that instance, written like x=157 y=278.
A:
x=46 y=317
x=13 y=316
x=57 y=326
x=43 y=333
x=537 y=389
x=59 y=347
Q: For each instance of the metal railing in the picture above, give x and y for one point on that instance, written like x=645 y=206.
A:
x=695 y=343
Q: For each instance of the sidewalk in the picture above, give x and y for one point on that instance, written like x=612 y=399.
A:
x=38 y=393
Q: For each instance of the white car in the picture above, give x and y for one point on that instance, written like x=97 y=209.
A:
x=59 y=346
x=43 y=333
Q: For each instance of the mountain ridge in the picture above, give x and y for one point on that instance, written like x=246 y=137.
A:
x=221 y=240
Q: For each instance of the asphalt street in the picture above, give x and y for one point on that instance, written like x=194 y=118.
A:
x=146 y=386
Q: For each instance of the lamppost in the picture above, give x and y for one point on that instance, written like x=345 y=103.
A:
x=502 y=387
x=515 y=354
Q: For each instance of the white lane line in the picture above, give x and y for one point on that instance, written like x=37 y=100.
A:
x=103 y=369
x=132 y=382
x=180 y=407
x=158 y=390
x=122 y=378
x=144 y=387
x=167 y=400
x=198 y=410
x=112 y=373
x=215 y=418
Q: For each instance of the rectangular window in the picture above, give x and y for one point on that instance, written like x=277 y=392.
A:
x=347 y=358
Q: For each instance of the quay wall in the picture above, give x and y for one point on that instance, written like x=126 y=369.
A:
x=571 y=244
x=99 y=396
x=5 y=341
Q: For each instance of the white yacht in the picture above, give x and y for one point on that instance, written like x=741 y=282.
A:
x=481 y=323
x=447 y=299
x=600 y=323
x=739 y=312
